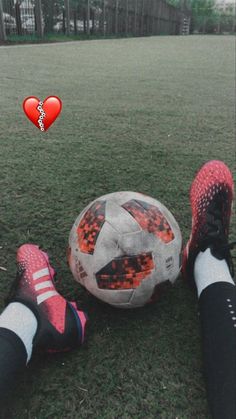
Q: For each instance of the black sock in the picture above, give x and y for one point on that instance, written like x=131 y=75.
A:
x=13 y=358
x=217 y=305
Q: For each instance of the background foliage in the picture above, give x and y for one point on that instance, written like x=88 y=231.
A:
x=206 y=17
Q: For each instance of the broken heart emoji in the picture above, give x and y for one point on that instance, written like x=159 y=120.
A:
x=42 y=114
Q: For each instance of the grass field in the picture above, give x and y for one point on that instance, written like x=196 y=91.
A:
x=138 y=114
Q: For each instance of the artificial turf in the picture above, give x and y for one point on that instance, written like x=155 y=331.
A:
x=138 y=114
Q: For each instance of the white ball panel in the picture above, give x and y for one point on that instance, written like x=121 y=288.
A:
x=144 y=292
x=113 y=297
x=106 y=247
x=123 y=196
x=136 y=243
x=120 y=219
x=167 y=261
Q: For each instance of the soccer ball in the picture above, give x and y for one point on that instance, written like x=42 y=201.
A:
x=122 y=246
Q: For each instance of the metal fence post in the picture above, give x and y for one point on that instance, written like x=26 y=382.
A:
x=135 y=16
x=38 y=17
x=104 y=18
x=116 y=17
x=3 y=36
x=127 y=18
x=67 y=10
x=159 y=16
x=88 y=17
x=153 y=17
x=75 y=21
x=64 y=21
x=142 y=18
x=18 y=18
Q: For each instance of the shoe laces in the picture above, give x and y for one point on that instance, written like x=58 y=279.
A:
x=216 y=236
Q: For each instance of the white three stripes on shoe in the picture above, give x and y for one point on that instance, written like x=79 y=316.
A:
x=45 y=296
x=44 y=284
x=41 y=273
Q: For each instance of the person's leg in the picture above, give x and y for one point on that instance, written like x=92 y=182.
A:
x=18 y=326
x=36 y=316
x=217 y=308
x=207 y=264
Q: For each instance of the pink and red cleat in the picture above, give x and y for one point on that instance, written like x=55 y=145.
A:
x=61 y=326
x=211 y=196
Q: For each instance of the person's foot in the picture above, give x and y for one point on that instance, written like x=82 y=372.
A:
x=61 y=326
x=211 y=196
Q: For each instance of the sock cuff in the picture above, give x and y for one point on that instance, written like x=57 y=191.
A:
x=217 y=289
x=26 y=303
x=18 y=318
x=210 y=270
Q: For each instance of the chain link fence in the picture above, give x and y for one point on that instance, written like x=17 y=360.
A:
x=102 y=17
x=18 y=17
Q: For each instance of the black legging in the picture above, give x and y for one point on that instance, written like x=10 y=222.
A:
x=13 y=357
x=217 y=305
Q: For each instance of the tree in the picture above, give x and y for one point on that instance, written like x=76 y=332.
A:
x=226 y=20
x=87 y=9
x=48 y=7
x=204 y=14
x=8 y=6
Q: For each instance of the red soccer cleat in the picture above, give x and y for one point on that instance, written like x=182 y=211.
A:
x=211 y=196
x=61 y=326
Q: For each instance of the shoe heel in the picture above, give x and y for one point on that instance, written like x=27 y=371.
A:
x=81 y=319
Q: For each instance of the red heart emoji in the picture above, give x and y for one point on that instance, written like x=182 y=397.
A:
x=42 y=114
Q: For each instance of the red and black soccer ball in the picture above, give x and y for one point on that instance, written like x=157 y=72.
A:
x=122 y=246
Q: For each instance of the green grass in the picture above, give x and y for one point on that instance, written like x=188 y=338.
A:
x=60 y=37
x=138 y=114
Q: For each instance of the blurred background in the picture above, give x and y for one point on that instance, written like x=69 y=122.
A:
x=27 y=19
